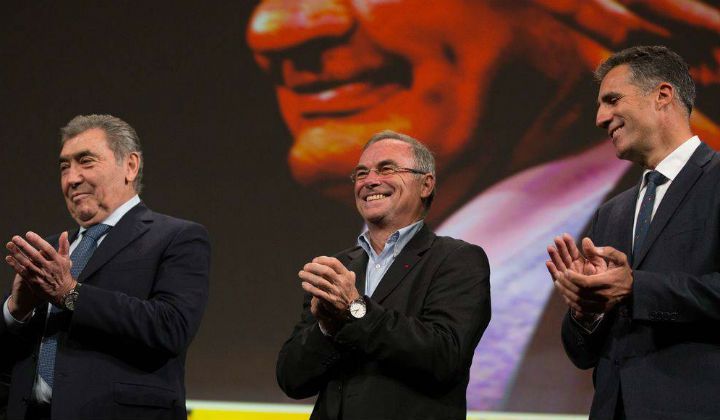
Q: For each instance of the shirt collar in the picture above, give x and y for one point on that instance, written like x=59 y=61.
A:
x=119 y=212
x=399 y=238
x=673 y=163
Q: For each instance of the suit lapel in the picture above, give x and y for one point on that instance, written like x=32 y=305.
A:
x=404 y=263
x=130 y=227
x=72 y=235
x=625 y=221
x=679 y=188
x=357 y=262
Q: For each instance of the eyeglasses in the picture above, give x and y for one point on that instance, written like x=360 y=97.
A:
x=385 y=170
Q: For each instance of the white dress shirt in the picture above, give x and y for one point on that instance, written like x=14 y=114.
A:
x=670 y=167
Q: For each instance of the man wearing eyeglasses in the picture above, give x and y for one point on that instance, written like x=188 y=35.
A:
x=389 y=326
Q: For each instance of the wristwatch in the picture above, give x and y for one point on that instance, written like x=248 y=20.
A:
x=69 y=299
x=357 y=308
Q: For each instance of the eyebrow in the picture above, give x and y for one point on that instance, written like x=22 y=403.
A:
x=77 y=156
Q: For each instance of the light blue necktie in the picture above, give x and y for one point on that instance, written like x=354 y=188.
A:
x=654 y=178
x=80 y=257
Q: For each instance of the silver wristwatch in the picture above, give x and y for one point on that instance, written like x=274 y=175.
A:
x=69 y=299
x=357 y=308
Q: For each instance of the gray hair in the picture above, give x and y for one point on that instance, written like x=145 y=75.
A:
x=424 y=159
x=121 y=138
x=650 y=65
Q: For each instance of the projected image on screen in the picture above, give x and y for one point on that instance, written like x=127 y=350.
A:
x=503 y=95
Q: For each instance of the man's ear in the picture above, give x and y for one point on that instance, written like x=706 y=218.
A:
x=665 y=95
x=428 y=185
x=132 y=167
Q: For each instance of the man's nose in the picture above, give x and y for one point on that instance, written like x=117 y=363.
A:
x=73 y=176
x=603 y=117
x=372 y=179
x=278 y=25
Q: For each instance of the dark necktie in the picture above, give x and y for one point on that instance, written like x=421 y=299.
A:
x=80 y=257
x=654 y=178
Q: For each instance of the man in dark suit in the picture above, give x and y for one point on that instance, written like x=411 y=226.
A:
x=98 y=322
x=389 y=327
x=644 y=305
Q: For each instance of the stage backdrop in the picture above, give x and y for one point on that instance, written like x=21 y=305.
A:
x=252 y=116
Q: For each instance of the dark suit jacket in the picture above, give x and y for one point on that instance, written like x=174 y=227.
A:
x=410 y=356
x=121 y=353
x=660 y=349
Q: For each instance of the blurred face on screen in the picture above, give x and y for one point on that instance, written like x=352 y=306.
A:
x=345 y=70
x=492 y=87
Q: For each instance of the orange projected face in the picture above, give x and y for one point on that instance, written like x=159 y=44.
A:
x=347 y=69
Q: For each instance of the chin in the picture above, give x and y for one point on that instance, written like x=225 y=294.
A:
x=374 y=219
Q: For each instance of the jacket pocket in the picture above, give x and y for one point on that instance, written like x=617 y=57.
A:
x=144 y=395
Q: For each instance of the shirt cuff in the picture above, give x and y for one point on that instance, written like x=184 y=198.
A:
x=11 y=323
x=325 y=333
x=587 y=326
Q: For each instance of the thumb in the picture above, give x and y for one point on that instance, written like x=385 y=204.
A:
x=588 y=247
x=611 y=254
x=64 y=245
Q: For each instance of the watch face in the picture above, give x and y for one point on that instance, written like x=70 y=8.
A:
x=70 y=300
x=357 y=310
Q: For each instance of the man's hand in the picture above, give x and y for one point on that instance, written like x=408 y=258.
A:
x=325 y=315
x=45 y=270
x=22 y=298
x=591 y=294
x=600 y=292
x=328 y=280
x=565 y=257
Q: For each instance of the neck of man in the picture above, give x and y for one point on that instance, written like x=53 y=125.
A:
x=670 y=136
x=379 y=233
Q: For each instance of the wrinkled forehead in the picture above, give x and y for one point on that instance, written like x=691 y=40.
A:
x=387 y=151
x=93 y=139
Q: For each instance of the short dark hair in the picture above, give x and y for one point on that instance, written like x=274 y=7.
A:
x=653 y=64
x=424 y=159
x=121 y=137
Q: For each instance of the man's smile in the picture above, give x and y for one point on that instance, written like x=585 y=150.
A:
x=79 y=196
x=347 y=80
x=376 y=197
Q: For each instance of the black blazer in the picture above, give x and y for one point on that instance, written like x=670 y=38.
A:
x=121 y=353
x=410 y=356
x=661 y=348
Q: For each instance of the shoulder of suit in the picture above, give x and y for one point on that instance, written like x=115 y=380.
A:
x=164 y=218
x=629 y=194
x=448 y=245
x=449 y=241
